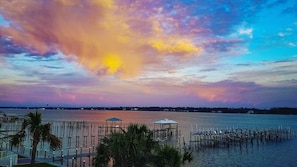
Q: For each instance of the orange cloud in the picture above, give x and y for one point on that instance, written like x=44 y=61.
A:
x=104 y=37
x=171 y=45
x=210 y=93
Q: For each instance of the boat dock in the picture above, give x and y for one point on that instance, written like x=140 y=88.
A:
x=79 y=139
x=237 y=136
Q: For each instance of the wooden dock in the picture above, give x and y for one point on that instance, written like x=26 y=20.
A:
x=237 y=136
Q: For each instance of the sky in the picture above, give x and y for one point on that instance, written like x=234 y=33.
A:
x=190 y=53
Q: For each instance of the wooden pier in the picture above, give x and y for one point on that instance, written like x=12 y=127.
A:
x=79 y=141
x=237 y=136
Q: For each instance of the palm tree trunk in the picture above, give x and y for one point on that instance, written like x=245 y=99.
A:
x=34 y=148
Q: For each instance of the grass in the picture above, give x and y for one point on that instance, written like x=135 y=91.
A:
x=37 y=165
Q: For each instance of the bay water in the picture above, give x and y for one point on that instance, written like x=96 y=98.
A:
x=280 y=154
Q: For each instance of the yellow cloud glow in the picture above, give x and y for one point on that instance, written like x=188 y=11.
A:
x=112 y=62
x=175 y=46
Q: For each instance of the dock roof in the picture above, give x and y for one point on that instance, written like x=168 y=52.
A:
x=113 y=119
x=165 y=121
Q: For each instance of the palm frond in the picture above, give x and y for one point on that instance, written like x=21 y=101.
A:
x=45 y=130
x=25 y=123
x=54 y=141
x=187 y=156
x=17 y=138
x=34 y=120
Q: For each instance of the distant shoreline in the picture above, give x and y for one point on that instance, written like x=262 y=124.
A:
x=276 y=110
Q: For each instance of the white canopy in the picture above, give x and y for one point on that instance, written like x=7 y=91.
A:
x=165 y=121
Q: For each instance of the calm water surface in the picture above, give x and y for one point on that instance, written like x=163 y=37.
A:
x=262 y=154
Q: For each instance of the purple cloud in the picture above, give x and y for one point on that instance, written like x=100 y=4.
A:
x=8 y=47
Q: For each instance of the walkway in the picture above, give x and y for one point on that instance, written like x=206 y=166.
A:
x=57 y=161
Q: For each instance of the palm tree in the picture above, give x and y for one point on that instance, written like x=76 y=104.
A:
x=126 y=148
x=136 y=147
x=38 y=131
x=139 y=144
x=104 y=153
x=167 y=156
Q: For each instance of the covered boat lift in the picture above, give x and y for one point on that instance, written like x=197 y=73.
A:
x=111 y=124
x=165 y=129
x=113 y=119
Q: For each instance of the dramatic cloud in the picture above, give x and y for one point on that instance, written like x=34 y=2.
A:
x=98 y=33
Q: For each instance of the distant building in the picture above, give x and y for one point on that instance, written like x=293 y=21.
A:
x=250 y=112
x=213 y=111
